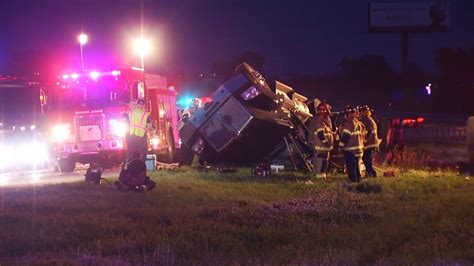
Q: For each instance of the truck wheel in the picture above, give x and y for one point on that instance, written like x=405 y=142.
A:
x=470 y=143
x=171 y=146
x=66 y=165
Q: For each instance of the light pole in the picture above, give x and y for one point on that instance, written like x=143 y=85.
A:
x=82 y=40
x=142 y=47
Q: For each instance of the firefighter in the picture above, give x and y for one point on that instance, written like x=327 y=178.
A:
x=358 y=115
x=371 y=143
x=395 y=143
x=351 y=143
x=133 y=176
x=139 y=123
x=323 y=140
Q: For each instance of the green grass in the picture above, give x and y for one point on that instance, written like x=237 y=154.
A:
x=211 y=218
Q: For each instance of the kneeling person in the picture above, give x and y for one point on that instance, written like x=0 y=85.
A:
x=133 y=176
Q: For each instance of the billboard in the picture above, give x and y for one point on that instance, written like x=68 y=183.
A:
x=408 y=17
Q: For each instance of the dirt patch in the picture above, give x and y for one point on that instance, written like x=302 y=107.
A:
x=324 y=202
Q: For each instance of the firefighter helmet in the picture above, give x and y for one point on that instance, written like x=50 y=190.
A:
x=323 y=108
x=350 y=109
x=366 y=108
x=197 y=102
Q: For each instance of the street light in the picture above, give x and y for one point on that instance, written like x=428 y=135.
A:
x=82 y=41
x=142 y=47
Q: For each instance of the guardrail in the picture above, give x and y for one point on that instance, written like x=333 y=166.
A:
x=439 y=134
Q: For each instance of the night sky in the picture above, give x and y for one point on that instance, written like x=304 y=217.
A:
x=294 y=36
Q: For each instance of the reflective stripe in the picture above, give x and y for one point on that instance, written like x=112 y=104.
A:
x=141 y=119
x=139 y=126
x=326 y=141
x=138 y=119
x=322 y=148
x=371 y=146
x=354 y=148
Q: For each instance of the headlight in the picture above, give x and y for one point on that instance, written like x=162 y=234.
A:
x=155 y=141
x=118 y=128
x=22 y=154
x=38 y=153
x=6 y=157
x=60 y=132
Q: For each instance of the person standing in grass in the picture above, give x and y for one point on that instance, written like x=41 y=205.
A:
x=371 y=143
x=323 y=140
x=351 y=143
x=395 y=142
x=139 y=124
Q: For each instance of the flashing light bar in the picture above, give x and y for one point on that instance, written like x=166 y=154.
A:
x=187 y=102
x=411 y=121
x=94 y=75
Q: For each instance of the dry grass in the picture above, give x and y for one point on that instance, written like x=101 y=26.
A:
x=212 y=218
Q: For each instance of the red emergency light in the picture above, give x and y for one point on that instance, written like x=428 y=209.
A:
x=205 y=100
x=411 y=121
x=407 y=121
x=93 y=74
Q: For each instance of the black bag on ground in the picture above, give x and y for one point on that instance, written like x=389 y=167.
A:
x=93 y=174
x=133 y=177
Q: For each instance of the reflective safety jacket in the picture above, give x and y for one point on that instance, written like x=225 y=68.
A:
x=371 y=138
x=323 y=137
x=138 y=119
x=352 y=137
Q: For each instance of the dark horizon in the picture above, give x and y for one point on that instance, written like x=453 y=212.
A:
x=293 y=37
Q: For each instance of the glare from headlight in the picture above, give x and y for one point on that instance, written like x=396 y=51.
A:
x=118 y=128
x=3 y=179
x=60 y=132
x=26 y=154
x=38 y=153
x=6 y=157
x=36 y=177
x=155 y=141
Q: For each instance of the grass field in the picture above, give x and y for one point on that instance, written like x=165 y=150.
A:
x=211 y=218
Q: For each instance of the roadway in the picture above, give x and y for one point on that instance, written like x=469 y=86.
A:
x=47 y=176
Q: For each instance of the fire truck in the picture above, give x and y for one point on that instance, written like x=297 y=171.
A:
x=87 y=116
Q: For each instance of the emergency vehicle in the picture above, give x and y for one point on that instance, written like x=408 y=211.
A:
x=22 y=143
x=87 y=116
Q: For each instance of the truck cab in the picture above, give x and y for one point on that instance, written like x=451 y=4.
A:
x=86 y=112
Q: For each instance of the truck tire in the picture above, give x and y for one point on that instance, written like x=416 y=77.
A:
x=171 y=146
x=66 y=165
x=470 y=143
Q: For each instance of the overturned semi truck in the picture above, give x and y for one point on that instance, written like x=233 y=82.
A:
x=248 y=122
